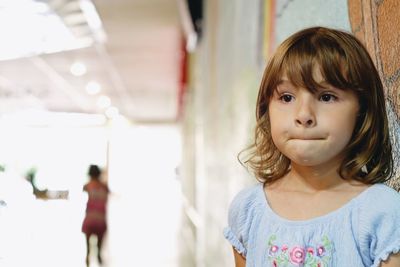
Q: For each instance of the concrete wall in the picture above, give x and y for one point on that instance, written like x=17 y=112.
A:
x=224 y=80
x=218 y=122
x=294 y=15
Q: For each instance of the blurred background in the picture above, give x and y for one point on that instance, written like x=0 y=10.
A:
x=161 y=95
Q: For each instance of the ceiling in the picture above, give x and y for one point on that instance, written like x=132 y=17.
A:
x=135 y=57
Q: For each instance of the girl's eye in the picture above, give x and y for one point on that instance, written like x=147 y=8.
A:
x=327 y=98
x=286 y=98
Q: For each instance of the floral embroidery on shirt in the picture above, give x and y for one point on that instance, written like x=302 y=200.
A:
x=281 y=255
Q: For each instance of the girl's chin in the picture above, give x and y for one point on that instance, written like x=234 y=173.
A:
x=307 y=161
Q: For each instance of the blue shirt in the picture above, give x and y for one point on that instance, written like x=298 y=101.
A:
x=363 y=232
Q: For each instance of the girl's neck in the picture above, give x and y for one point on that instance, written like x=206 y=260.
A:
x=313 y=179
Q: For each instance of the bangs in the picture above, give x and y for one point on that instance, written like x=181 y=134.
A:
x=307 y=54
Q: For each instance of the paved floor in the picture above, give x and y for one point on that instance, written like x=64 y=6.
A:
x=143 y=225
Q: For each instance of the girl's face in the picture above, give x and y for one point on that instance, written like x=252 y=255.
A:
x=312 y=129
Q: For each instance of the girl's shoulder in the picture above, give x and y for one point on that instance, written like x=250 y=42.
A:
x=246 y=203
x=380 y=197
x=377 y=205
x=377 y=221
x=243 y=210
x=248 y=195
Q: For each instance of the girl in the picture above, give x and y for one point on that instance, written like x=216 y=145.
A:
x=95 y=223
x=321 y=153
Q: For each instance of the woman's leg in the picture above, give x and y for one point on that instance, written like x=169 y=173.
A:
x=99 y=246
x=87 y=249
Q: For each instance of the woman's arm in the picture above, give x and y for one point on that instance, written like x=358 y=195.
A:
x=392 y=261
x=240 y=261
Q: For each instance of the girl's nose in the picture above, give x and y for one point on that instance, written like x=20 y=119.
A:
x=305 y=116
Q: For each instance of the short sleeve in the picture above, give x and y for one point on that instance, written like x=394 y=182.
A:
x=239 y=219
x=380 y=226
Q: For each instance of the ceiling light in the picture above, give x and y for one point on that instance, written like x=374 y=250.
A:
x=93 y=88
x=78 y=69
x=112 y=112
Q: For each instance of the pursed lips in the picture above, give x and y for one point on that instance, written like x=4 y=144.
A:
x=306 y=138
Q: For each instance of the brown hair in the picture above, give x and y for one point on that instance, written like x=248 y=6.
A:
x=345 y=64
x=94 y=172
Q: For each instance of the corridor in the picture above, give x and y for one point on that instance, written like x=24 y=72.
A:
x=143 y=211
